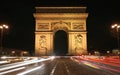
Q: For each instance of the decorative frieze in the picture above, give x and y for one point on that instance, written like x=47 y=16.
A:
x=77 y=26
x=42 y=26
x=60 y=25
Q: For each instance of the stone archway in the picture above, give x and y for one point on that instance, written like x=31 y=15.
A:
x=60 y=43
x=51 y=20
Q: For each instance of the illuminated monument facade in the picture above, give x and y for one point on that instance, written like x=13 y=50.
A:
x=50 y=20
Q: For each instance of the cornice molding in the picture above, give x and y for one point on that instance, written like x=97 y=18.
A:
x=62 y=18
x=60 y=9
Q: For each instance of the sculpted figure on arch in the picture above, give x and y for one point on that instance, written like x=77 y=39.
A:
x=78 y=41
x=42 y=42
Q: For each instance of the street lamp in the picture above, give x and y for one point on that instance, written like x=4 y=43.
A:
x=117 y=29
x=2 y=27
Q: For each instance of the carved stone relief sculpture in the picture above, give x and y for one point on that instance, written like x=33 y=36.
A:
x=78 y=41
x=42 y=42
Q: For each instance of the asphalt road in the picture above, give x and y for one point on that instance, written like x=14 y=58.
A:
x=65 y=66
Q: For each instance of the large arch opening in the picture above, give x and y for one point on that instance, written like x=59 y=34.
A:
x=60 y=43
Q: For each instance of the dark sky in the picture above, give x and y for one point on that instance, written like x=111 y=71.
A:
x=18 y=14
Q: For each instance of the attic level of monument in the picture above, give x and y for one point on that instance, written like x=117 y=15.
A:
x=60 y=9
x=68 y=23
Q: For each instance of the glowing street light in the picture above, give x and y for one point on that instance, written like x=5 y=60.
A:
x=117 y=29
x=2 y=27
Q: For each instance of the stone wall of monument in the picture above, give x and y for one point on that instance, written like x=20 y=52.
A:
x=73 y=23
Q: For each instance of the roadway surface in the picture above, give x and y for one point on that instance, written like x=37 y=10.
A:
x=61 y=66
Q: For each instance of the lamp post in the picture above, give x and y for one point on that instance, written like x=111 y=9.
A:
x=2 y=27
x=117 y=29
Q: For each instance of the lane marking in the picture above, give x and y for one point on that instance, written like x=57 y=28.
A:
x=53 y=70
x=67 y=69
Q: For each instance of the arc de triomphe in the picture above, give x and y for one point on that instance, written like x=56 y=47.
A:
x=50 y=20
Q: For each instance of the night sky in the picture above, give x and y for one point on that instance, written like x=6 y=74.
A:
x=18 y=14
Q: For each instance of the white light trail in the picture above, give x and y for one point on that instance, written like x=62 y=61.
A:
x=14 y=66
x=3 y=62
x=90 y=64
x=25 y=72
x=12 y=70
x=6 y=65
x=25 y=63
x=52 y=57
